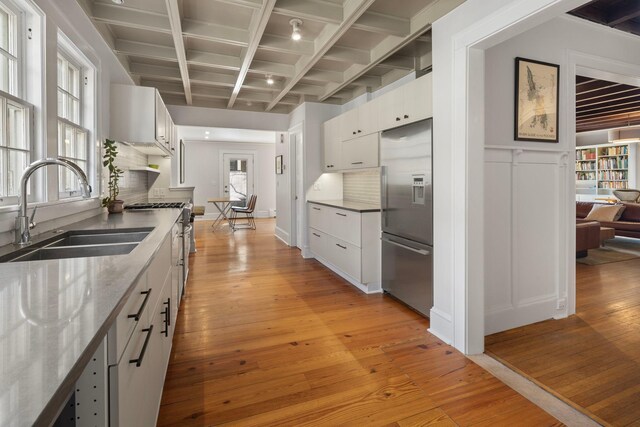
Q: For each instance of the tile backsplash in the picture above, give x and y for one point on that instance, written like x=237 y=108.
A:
x=134 y=186
x=362 y=186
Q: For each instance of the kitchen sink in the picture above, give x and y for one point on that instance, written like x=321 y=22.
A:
x=81 y=238
x=52 y=252
x=80 y=244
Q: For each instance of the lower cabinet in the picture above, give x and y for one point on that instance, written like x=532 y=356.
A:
x=348 y=242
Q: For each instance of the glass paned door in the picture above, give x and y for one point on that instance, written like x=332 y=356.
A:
x=237 y=182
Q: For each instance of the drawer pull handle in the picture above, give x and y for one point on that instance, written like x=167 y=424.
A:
x=138 y=361
x=168 y=304
x=357 y=163
x=316 y=234
x=318 y=209
x=341 y=214
x=340 y=246
x=137 y=316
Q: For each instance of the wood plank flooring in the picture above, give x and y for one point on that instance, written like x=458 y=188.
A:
x=591 y=359
x=267 y=338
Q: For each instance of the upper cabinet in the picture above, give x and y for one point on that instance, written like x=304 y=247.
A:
x=351 y=139
x=139 y=117
x=406 y=104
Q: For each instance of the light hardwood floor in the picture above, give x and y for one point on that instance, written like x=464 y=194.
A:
x=591 y=359
x=267 y=338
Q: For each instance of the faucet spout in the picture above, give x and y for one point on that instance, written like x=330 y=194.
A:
x=23 y=222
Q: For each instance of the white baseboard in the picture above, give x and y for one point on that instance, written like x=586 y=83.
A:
x=282 y=235
x=441 y=325
x=376 y=289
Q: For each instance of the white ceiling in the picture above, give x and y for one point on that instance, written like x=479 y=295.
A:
x=217 y=53
x=201 y=133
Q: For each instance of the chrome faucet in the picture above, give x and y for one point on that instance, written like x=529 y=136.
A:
x=23 y=223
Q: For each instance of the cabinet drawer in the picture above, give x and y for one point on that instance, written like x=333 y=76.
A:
x=345 y=256
x=135 y=310
x=318 y=216
x=345 y=225
x=317 y=242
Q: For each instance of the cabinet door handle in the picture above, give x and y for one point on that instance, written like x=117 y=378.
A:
x=316 y=234
x=168 y=304
x=357 y=163
x=406 y=116
x=137 y=316
x=138 y=361
x=341 y=214
x=317 y=209
x=340 y=246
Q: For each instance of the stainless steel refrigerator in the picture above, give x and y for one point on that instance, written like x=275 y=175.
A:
x=407 y=214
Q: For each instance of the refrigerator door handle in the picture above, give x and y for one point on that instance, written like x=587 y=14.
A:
x=409 y=248
x=383 y=194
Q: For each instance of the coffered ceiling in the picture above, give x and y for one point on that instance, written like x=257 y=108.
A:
x=218 y=53
x=601 y=104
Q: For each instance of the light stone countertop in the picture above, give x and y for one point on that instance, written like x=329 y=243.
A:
x=350 y=206
x=54 y=314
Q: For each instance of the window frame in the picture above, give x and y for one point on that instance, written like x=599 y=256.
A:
x=74 y=57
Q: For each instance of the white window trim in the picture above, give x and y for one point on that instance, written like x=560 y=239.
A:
x=88 y=100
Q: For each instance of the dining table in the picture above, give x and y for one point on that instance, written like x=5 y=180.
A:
x=223 y=204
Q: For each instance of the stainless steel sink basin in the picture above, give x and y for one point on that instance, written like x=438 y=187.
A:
x=81 y=238
x=52 y=252
x=80 y=244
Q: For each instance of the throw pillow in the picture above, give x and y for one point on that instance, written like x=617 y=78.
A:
x=606 y=213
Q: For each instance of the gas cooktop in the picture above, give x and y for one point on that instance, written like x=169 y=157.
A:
x=169 y=205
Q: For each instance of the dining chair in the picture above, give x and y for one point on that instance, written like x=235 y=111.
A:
x=248 y=211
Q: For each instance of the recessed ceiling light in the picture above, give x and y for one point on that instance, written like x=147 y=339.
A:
x=296 y=24
x=206 y=132
x=270 y=80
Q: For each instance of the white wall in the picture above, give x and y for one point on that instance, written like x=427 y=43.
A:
x=459 y=40
x=203 y=172
x=69 y=17
x=529 y=210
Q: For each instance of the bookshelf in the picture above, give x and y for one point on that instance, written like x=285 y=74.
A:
x=600 y=169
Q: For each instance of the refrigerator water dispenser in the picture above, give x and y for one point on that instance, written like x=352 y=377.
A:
x=418 y=190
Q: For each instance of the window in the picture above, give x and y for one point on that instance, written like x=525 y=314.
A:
x=15 y=113
x=73 y=136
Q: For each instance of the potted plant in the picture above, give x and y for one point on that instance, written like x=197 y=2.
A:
x=111 y=202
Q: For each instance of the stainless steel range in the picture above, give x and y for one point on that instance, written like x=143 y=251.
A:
x=187 y=244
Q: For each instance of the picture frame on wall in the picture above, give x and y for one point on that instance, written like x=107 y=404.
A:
x=279 y=165
x=536 y=101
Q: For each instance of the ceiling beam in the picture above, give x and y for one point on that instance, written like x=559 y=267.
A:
x=383 y=24
x=419 y=24
x=178 y=41
x=216 y=33
x=256 y=29
x=145 y=50
x=313 y=10
x=623 y=12
x=348 y=54
x=353 y=9
x=155 y=71
x=131 y=18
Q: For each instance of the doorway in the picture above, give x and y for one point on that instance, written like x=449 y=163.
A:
x=296 y=145
x=237 y=176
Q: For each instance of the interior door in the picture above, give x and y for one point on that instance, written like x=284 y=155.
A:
x=237 y=177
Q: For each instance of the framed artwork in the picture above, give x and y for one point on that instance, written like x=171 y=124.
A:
x=536 y=103
x=182 y=162
x=279 y=165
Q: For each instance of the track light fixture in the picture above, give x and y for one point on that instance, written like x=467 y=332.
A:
x=296 y=24
x=270 y=80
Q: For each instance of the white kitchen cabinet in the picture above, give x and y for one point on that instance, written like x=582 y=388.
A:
x=139 y=117
x=359 y=121
x=348 y=243
x=332 y=145
x=361 y=152
x=409 y=103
